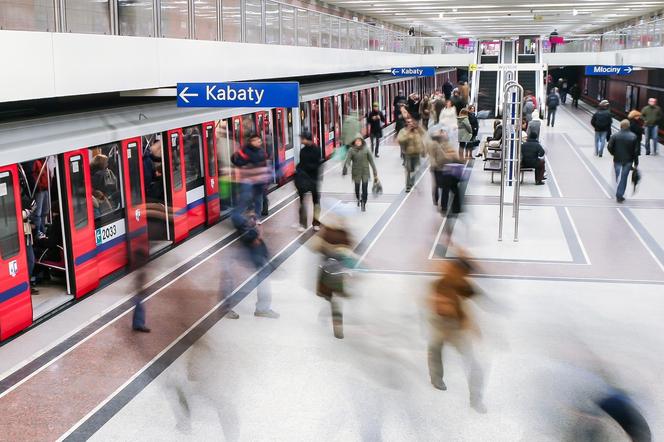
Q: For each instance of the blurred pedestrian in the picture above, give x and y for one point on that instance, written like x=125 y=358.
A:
x=253 y=242
x=464 y=91
x=411 y=140
x=457 y=100
x=307 y=178
x=601 y=122
x=413 y=106
x=636 y=126
x=575 y=92
x=445 y=163
x=624 y=148
x=349 y=128
x=425 y=111
x=652 y=116
x=399 y=100
x=448 y=87
x=139 y=259
x=448 y=115
x=253 y=169
x=400 y=121
x=451 y=323
x=375 y=121
x=337 y=257
x=361 y=160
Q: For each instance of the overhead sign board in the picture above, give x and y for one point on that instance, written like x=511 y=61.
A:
x=504 y=67
x=609 y=70
x=266 y=94
x=424 y=71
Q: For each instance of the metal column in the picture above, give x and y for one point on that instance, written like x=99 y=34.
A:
x=511 y=152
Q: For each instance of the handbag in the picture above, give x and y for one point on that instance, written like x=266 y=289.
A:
x=331 y=275
x=377 y=188
x=473 y=143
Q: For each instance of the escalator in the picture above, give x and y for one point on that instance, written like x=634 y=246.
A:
x=528 y=81
x=488 y=86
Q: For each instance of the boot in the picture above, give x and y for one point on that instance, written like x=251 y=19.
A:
x=364 y=206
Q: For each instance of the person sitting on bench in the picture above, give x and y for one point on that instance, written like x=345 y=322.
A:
x=493 y=141
x=532 y=157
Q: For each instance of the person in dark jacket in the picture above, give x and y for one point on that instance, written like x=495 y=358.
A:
x=575 y=92
x=553 y=40
x=601 y=122
x=552 y=103
x=636 y=126
x=474 y=123
x=375 y=121
x=457 y=101
x=414 y=106
x=252 y=168
x=399 y=100
x=448 y=87
x=307 y=177
x=624 y=148
x=532 y=156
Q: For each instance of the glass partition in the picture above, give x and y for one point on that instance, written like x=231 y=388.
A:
x=287 y=25
x=334 y=32
x=314 y=29
x=302 y=27
x=174 y=18
x=84 y=16
x=271 y=23
x=253 y=21
x=231 y=23
x=205 y=19
x=343 y=35
x=27 y=15
x=135 y=18
x=324 y=31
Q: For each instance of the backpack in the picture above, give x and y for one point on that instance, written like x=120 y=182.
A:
x=552 y=101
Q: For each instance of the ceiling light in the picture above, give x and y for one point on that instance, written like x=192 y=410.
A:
x=575 y=12
x=454 y=9
x=441 y=15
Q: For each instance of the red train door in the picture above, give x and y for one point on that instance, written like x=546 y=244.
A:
x=315 y=122
x=15 y=300
x=286 y=166
x=211 y=173
x=80 y=243
x=336 y=109
x=178 y=190
x=134 y=189
x=327 y=134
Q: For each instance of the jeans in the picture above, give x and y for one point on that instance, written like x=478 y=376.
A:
x=302 y=190
x=575 y=101
x=259 y=257
x=600 y=142
x=411 y=163
x=251 y=194
x=651 y=134
x=365 y=190
x=375 y=143
x=551 y=117
x=41 y=209
x=449 y=183
x=622 y=173
x=31 y=259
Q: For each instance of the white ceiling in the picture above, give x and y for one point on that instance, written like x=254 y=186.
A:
x=495 y=18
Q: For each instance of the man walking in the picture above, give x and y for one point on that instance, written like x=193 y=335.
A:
x=307 y=176
x=601 y=122
x=375 y=121
x=652 y=116
x=252 y=165
x=552 y=103
x=624 y=147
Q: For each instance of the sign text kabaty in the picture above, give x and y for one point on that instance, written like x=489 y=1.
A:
x=426 y=71
x=267 y=94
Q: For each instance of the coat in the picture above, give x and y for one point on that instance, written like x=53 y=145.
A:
x=375 y=125
x=448 y=117
x=652 y=115
x=528 y=109
x=623 y=146
x=636 y=127
x=449 y=292
x=465 y=129
x=601 y=120
x=441 y=153
x=412 y=141
x=531 y=151
x=361 y=160
x=472 y=118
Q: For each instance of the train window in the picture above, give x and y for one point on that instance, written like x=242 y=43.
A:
x=288 y=141
x=175 y=160
x=105 y=175
x=224 y=149
x=193 y=156
x=209 y=141
x=9 y=237
x=79 y=198
x=133 y=159
x=330 y=104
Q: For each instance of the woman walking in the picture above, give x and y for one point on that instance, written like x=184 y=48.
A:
x=465 y=134
x=360 y=159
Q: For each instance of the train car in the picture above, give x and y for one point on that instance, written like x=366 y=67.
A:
x=159 y=175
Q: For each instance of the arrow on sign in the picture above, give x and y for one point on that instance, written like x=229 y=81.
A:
x=395 y=71
x=629 y=69
x=184 y=94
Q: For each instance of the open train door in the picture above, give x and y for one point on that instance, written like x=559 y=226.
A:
x=177 y=198
x=134 y=189
x=80 y=243
x=211 y=173
x=15 y=300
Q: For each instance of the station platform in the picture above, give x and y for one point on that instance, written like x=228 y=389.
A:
x=580 y=292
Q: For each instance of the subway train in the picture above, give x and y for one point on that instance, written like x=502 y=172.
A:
x=108 y=183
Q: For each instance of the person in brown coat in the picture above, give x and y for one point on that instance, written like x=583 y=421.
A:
x=411 y=140
x=451 y=323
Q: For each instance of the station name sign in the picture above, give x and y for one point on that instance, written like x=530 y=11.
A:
x=265 y=94
x=609 y=70
x=425 y=71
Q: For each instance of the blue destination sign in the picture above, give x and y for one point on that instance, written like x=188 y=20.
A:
x=609 y=70
x=426 y=71
x=284 y=94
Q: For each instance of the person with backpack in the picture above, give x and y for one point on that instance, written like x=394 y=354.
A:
x=307 y=177
x=451 y=323
x=552 y=103
x=361 y=161
x=601 y=122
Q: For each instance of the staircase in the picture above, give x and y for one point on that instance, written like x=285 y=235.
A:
x=486 y=95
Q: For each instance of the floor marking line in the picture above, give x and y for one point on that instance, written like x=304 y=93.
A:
x=437 y=239
x=578 y=155
x=641 y=240
x=578 y=237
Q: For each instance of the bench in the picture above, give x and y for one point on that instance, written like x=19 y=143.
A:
x=492 y=165
x=524 y=170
